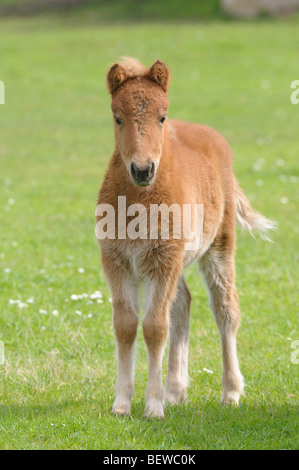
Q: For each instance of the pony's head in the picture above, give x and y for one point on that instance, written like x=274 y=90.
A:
x=139 y=107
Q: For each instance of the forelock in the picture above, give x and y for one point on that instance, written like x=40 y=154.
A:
x=133 y=67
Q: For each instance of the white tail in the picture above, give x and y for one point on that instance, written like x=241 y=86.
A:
x=249 y=219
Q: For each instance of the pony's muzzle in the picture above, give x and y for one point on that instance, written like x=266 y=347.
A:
x=142 y=176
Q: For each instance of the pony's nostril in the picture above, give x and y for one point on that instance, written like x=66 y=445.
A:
x=151 y=169
x=142 y=175
x=134 y=170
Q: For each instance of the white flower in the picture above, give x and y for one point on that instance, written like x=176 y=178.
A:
x=110 y=300
x=30 y=301
x=89 y=315
x=74 y=297
x=22 y=304
x=43 y=312
x=259 y=164
x=55 y=312
x=96 y=295
x=260 y=141
x=81 y=270
x=7 y=270
x=284 y=200
x=265 y=84
x=208 y=371
x=78 y=312
x=100 y=301
x=257 y=167
x=11 y=201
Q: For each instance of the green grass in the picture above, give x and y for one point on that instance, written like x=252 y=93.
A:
x=118 y=10
x=57 y=385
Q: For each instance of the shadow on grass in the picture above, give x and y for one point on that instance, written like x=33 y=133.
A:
x=208 y=407
x=202 y=425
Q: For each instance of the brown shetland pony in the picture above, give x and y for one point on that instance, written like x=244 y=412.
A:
x=161 y=161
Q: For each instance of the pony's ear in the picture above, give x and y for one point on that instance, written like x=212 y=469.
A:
x=160 y=74
x=115 y=77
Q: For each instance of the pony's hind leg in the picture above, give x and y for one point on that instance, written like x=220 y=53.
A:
x=177 y=374
x=217 y=266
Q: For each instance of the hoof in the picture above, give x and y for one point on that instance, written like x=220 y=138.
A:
x=123 y=409
x=230 y=398
x=154 y=410
x=175 y=394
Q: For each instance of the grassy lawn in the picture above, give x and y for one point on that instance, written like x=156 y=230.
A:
x=57 y=383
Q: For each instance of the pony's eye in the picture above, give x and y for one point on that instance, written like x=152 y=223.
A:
x=117 y=120
x=162 y=119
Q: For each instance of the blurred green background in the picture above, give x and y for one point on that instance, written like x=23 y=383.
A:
x=117 y=10
x=56 y=138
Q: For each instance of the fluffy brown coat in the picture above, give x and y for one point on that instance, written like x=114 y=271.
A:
x=192 y=164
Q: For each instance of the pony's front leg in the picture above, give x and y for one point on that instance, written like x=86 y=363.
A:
x=161 y=291
x=125 y=321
